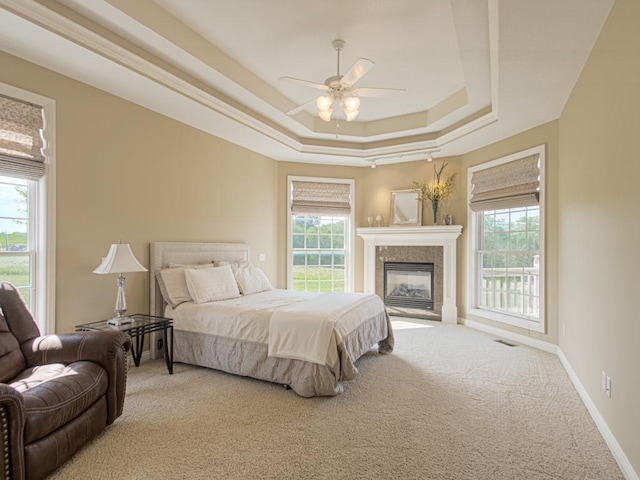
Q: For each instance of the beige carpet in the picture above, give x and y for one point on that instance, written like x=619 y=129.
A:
x=449 y=403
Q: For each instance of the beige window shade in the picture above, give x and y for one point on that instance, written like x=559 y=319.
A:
x=320 y=198
x=512 y=184
x=21 y=139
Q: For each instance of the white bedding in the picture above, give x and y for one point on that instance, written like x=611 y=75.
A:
x=248 y=318
x=302 y=330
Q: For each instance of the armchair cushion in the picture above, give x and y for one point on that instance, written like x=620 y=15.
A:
x=11 y=359
x=107 y=349
x=54 y=394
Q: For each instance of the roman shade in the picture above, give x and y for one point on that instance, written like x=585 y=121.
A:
x=21 y=139
x=320 y=198
x=509 y=185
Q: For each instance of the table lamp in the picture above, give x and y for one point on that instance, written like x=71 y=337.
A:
x=120 y=259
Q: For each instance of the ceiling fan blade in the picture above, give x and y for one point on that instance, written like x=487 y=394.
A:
x=357 y=71
x=379 y=92
x=301 y=107
x=306 y=83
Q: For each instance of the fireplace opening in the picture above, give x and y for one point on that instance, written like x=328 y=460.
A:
x=408 y=285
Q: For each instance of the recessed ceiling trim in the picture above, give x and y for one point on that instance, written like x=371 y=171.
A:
x=123 y=49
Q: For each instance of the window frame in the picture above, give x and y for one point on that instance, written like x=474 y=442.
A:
x=349 y=232
x=42 y=218
x=474 y=273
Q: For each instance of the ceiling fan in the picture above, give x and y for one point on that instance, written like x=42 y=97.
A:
x=340 y=90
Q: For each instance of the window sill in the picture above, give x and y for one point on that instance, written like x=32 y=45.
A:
x=532 y=325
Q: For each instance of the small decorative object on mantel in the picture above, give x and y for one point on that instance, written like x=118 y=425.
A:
x=438 y=191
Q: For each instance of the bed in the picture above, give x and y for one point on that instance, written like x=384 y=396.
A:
x=262 y=334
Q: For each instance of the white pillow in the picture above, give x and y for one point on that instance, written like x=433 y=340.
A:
x=173 y=285
x=234 y=265
x=251 y=279
x=211 y=284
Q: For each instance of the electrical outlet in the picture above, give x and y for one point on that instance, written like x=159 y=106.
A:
x=159 y=344
x=262 y=257
x=564 y=329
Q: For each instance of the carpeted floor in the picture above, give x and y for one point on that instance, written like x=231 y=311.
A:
x=449 y=403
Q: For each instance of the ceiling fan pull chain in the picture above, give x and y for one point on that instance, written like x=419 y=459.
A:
x=337 y=127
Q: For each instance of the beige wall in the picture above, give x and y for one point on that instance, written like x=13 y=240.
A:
x=599 y=225
x=126 y=173
x=546 y=135
x=373 y=196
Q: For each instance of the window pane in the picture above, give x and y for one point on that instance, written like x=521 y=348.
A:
x=325 y=241
x=318 y=242
x=15 y=269
x=298 y=241
x=508 y=255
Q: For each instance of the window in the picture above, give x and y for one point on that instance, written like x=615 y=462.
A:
x=16 y=219
x=27 y=199
x=320 y=234
x=506 y=219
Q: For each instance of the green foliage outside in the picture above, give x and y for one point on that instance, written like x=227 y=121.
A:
x=510 y=239
x=15 y=269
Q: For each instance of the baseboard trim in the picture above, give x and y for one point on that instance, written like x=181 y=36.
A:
x=516 y=337
x=617 y=452
x=623 y=462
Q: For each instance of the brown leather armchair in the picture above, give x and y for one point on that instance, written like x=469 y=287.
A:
x=56 y=392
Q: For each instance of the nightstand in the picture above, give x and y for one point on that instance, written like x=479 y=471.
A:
x=141 y=325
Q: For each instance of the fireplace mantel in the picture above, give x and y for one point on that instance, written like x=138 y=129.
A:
x=444 y=236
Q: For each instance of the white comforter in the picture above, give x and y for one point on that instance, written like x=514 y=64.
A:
x=250 y=318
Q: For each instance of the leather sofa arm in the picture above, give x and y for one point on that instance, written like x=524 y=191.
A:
x=12 y=420
x=106 y=348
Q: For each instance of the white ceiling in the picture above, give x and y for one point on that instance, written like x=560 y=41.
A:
x=474 y=71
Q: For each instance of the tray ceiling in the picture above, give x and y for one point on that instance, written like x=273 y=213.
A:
x=474 y=71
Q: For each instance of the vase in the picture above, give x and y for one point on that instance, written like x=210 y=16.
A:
x=434 y=206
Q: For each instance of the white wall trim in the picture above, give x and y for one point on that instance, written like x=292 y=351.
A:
x=45 y=281
x=349 y=234
x=472 y=244
x=617 y=452
x=516 y=337
x=612 y=443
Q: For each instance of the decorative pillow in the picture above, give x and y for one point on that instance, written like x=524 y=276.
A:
x=234 y=265
x=211 y=284
x=251 y=279
x=173 y=285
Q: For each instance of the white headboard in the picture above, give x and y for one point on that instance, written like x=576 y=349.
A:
x=161 y=254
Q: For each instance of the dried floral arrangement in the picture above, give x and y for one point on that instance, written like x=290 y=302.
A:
x=437 y=191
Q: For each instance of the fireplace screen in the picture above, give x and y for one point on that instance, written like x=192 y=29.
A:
x=408 y=285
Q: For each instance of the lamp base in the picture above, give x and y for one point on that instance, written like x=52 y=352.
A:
x=120 y=320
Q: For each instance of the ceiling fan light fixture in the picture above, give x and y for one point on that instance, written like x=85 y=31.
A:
x=326 y=114
x=324 y=103
x=351 y=114
x=351 y=103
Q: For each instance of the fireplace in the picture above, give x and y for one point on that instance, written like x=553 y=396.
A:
x=408 y=285
x=410 y=241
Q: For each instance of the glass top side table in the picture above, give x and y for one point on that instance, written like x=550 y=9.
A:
x=137 y=329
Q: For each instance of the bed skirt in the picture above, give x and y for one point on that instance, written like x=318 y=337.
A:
x=250 y=359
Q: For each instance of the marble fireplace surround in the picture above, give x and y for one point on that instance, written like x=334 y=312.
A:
x=444 y=236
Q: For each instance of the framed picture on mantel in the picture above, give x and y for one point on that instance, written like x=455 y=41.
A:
x=406 y=208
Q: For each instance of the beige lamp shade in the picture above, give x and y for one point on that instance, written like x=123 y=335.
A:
x=120 y=259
